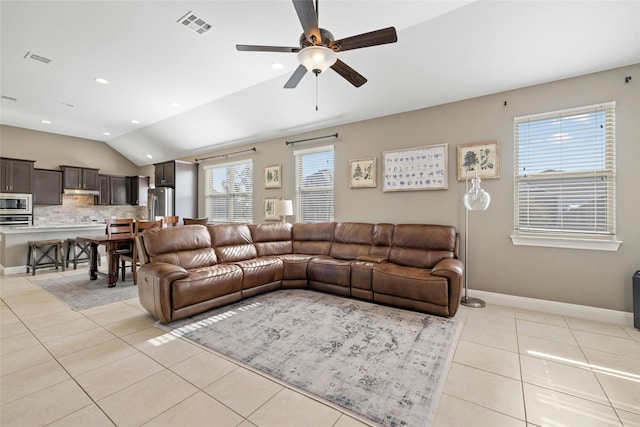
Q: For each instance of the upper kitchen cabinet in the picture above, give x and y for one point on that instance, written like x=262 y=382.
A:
x=48 y=187
x=16 y=176
x=165 y=174
x=139 y=190
x=76 y=178
x=114 y=190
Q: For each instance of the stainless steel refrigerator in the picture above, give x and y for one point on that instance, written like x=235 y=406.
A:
x=161 y=202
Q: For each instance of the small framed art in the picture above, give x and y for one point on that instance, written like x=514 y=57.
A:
x=362 y=173
x=480 y=159
x=271 y=208
x=273 y=176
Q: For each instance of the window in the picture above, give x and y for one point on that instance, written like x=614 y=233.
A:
x=229 y=192
x=314 y=184
x=564 y=173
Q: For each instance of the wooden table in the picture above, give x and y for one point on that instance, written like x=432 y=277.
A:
x=111 y=244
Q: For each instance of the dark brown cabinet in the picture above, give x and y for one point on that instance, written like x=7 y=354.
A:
x=114 y=190
x=48 y=187
x=76 y=178
x=16 y=176
x=138 y=190
x=165 y=174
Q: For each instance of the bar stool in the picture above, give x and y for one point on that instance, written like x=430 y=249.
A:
x=45 y=258
x=77 y=252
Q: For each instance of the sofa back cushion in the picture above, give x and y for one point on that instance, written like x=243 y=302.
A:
x=422 y=245
x=271 y=238
x=232 y=242
x=188 y=246
x=313 y=239
x=382 y=240
x=351 y=239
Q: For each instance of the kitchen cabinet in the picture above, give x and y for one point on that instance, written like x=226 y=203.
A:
x=165 y=174
x=77 y=178
x=113 y=190
x=138 y=190
x=16 y=176
x=48 y=187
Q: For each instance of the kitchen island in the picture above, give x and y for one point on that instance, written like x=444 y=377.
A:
x=13 y=240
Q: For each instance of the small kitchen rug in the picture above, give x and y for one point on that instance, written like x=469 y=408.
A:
x=79 y=292
x=386 y=366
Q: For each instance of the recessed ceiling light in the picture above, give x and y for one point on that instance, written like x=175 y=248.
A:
x=46 y=122
x=175 y=104
x=150 y=156
x=135 y=122
x=276 y=66
x=106 y=133
x=102 y=81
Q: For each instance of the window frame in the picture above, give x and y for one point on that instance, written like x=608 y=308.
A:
x=298 y=159
x=230 y=195
x=566 y=236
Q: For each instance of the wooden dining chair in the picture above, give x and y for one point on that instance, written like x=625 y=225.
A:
x=169 y=221
x=140 y=226
x=190 y=221
x=123 y=227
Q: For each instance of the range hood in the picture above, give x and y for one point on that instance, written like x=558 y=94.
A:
x=81 y=192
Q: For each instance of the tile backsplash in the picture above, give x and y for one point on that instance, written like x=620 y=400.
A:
x=81 y=208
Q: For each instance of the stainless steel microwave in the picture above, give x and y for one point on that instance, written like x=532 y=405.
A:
x=15 y=203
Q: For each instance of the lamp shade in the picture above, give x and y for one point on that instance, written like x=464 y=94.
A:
x=476 y=199
x=285 y=208
x=317 y=58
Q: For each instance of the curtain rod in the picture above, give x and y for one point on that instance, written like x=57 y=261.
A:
x=226 y=155
x=335 y=135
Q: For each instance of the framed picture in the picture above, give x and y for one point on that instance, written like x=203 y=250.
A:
x=481 y=159
x=271 y=208
x=273 y=176
x=362 y=173
x=419 y=168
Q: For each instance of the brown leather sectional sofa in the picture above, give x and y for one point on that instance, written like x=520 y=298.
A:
x=190 y=269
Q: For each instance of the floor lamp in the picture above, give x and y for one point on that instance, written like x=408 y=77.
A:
x=475 y=199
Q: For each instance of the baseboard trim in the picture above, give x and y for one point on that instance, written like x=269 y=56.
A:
x=555 y=307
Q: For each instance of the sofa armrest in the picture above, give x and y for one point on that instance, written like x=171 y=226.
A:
x=453 y=270
x=373 y=258
x=154 y=287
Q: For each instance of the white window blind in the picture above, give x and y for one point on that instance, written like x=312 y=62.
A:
x=565 y=173
x=229 y=192
x=314 y=184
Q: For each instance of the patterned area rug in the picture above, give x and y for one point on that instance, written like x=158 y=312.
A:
x=384 y=364
x=79 y=292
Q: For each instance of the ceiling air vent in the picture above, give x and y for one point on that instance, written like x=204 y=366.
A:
x=38 y=58
x=195 y=23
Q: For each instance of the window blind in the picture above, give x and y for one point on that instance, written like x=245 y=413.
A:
x=229 y=192
x=314 y=184
x=565 y=172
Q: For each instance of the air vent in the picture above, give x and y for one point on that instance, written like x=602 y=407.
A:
x=38 y=58
x=9 y=98
x=195 y=23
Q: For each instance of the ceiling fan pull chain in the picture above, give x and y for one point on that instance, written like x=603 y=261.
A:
x=317 y=91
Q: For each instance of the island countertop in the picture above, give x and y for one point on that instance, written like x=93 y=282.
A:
x=54 y=226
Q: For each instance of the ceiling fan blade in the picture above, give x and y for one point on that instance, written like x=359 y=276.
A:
x=351 y=75
x=309 y=20
x=295 y=78
x=252 y=48
x=373 y=38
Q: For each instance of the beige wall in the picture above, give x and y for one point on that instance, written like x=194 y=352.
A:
x=592 y=278
x=585 y=277
x=51 y=150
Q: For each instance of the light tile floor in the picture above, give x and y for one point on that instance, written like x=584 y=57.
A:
x=110 y=366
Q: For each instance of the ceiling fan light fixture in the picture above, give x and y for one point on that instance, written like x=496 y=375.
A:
x=317 y=59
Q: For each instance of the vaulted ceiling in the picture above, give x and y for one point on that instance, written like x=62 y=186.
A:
x=191 y=93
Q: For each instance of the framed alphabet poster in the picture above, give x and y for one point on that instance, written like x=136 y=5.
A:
x=419 y=168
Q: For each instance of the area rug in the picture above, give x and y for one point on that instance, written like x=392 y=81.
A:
x=386 y=365
x=79 y=292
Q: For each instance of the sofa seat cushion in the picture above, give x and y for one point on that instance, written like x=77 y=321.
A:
x=325 y=269
x=204 y=284
x=260 y=271
x=295 y=266
x=411 y=283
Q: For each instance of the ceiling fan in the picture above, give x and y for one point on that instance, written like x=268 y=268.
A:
x=318 y=49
